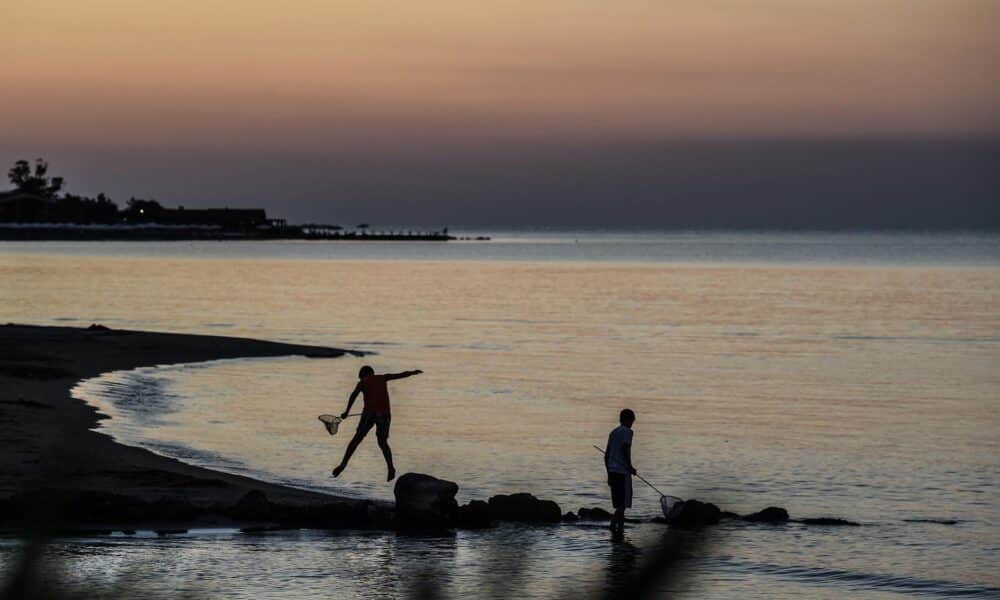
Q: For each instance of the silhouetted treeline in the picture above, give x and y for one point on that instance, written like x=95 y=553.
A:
x=36 y=199
x=34 y=210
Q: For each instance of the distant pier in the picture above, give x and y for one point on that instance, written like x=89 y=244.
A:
x=34 y=215
x=159 y=232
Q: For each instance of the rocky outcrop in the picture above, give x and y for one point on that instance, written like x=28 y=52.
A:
x=425 y=502
x=524 y=508
x=475 y=515
x=86 y=507
x=254 y=507
x=771 y=514
x=332 y=515
x=594 y=514
x=692 y=514
x=81 y=510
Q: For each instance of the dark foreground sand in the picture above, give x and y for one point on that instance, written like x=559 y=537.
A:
x=48 y=447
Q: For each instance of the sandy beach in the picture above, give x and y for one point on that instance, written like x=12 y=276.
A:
x=50 y=448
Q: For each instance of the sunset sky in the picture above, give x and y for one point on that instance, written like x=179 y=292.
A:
x=387 y=98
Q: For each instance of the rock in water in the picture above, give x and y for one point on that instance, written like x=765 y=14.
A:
x=691 y=514
x=771 y=514
x=474 y=515
x=425 y=502
x=594 y=514
x=524 y=508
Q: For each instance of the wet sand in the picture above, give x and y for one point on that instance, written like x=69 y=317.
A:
x=48 y=445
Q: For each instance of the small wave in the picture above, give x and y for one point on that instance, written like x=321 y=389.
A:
x=143 y=394
x=194 y=456
x=934 y=521
x=859 y=581
x=930 y=340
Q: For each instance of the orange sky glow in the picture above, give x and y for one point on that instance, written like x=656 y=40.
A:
x=311 y=73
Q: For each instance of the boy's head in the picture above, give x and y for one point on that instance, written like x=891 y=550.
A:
x=626 y=417
x=365 y=371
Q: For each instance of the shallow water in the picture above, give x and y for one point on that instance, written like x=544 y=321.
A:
x=565 y=561
x=846 y=376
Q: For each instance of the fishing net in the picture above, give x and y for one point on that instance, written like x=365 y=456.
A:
x=669 y=503
x=332 y=422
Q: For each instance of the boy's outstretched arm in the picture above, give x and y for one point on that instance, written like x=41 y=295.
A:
x=350 y=401
x=403 y=375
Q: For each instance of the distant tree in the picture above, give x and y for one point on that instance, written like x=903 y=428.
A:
x=142 y=206
x=36 y=182
x=78 y=209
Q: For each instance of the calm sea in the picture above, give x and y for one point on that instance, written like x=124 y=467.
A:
x=844 y=375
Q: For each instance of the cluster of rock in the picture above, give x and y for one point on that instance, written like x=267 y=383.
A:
x=423 y=502
x=426 y=502
x=90 y=511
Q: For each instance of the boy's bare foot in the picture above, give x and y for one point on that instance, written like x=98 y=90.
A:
x=338 y=470
x=392 y=474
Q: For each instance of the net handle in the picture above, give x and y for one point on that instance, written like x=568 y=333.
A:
x=641 y=478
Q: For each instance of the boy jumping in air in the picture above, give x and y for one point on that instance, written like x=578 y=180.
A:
x=376 y=413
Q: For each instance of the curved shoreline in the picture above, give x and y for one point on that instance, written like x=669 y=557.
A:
x=92 y=391
x=49 y=445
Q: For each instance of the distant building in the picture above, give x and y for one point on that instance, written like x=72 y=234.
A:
x=21 y=207
x=228 y=219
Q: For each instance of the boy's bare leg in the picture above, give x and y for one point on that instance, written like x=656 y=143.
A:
x=618 y=520
x=383 y=445
x=351 y=447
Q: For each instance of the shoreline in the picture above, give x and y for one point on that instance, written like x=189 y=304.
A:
x=53 y=458
x=61 y=476
x=42 y=234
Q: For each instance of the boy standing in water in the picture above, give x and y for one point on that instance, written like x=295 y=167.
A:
x=618 y=462
x=376 y=413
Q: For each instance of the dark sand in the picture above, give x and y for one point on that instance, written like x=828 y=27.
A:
x=47 y=441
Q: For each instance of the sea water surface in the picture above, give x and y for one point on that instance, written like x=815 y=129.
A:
x=844 y=375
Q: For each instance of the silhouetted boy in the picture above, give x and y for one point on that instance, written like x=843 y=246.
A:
x=618 y=461
x=376 y=413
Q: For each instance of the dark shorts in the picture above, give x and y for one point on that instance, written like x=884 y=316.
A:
x=621 y=490
x=379 y=422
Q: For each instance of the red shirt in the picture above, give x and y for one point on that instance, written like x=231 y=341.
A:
x=376 y=394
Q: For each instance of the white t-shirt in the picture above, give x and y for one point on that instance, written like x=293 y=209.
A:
x=620 y=437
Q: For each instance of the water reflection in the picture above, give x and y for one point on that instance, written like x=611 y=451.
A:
x=831 y=389
x=622 y=563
